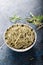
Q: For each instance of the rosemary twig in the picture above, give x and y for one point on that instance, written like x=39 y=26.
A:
x=15 y=18
x=39 y=27
x=36 y=20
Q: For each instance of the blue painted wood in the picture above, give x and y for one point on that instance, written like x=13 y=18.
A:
x=22 y=8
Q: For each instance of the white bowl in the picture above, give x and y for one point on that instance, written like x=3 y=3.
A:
x=22 y=50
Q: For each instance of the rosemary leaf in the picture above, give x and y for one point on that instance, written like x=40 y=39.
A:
x=15 y=18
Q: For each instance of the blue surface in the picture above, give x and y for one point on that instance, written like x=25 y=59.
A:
x=9 y=57
x=22 y=8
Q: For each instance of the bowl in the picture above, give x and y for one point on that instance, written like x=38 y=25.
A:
x=22 y=50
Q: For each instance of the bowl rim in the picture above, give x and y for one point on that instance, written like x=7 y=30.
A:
x=21 y=50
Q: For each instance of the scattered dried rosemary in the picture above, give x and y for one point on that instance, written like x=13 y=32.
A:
x=31 y=58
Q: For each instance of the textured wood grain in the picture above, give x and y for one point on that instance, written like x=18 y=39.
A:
x=22 y=8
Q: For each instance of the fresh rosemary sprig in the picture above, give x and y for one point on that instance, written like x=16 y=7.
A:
x=15 y=18
x=36 y=20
